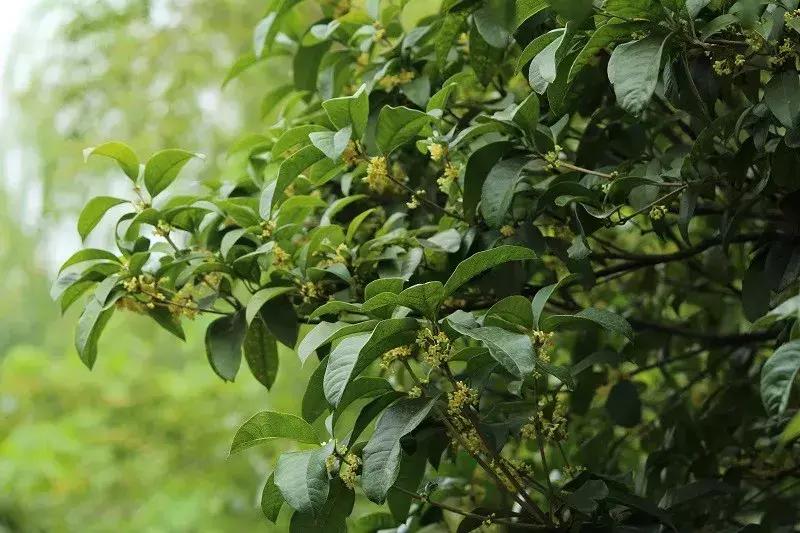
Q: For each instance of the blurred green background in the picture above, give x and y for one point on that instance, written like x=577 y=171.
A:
x=140 y=443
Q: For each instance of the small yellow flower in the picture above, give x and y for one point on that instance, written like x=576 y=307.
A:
x=267 y=229
x=348 y=470
x=280 y=258
x=658 y=212
x=162 y=229
x=437 y=151
x=401 y=353
x=415 y=392
x=508 y=231
x=377 y=174
x=461 y=397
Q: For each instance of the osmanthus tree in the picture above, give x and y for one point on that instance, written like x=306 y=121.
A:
x=544 y=256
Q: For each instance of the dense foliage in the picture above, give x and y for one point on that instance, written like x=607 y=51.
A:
x=548 y=248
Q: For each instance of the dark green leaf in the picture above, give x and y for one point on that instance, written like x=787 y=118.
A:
x=483 y=261
x=777 y=377
x=261 y=353
x=163 y=167
x=224 y=338
x=267 y=425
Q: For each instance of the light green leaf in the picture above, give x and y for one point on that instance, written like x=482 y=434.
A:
x=90 y=325
x=163 y=167
x=483 y=261
x=293 y=137
x=271 y=499
x=263 y=296
x=590 y=317
x=544 y=294
x=777 y=377
x=119 y=152
x=633 y=70
x=478 y=166
x=89 y=254
x=544 y=66
x=330 y=143
x=397 y=126
x=326 y=332
x=93 y=212
x=292 y=167
x=375 y=287
x=314 y=403
x=498 y=190
x=333 y=516
x=302 y=478
x=382 y=452
x=782 y=97
x=512 y=350
x=268 y=425
x=602 y=37
x=350 y=111
x=425 y=298
x=224 y=338
x=353 y=354
x=792 y=429
x=359 y=388
x=536 y=46
x=515 y=309
x=261 y=353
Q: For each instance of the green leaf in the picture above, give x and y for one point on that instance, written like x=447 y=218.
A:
x=333 y=516
x=330 y=143
x=633 y=70
x=350 y=111
x=590 y=317
x=268 y=425
x=483 y=57
x=623 y=404
x=89 y=254
x=543 y=295
x=494 y=21
x=353 y=354
x=359 y=388
x=478 y=166
x=370 y=411
x=292 y=167
x=397 y=126
x=483 y=261
x=271 y=499
x=224 y=338
x=119 y=152
x=93 y=212
x=777 y=377
x=164 y=318
x=425 y=298
x=577 y=10
x=514 y=309
x=604 y=36
x=451 y=28
x=261 y=353
x=586 y=498
x=314 y=403
x=293 y=137
x=544 y=66
x=90 y=325
x=263 y=296
x=781 y=97
x=241 y=64
x=375 y=287
x=512 y=350
x=163 y=167
x=536 y=46
x=412 y=470
x=792 y=429
x=302 y=478
x=326 y=332
x=382 y=452
x=498 y=190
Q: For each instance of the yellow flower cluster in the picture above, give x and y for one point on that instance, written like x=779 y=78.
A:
x=401 y=353
x=380 y=31
x=554 y=429
x=146 y=288
x=466 y=434
x=162 y=229
x=415 y=392
x=543 y=342
x=280 y=258
x=377 y=177
x=448 y=177
x=348 y=470
x=437 y=150
x=390 y=81
x=267 y=229
x=339 y=257
x=416 y=199
x=507 y=231
x=553 y=157
x=182 y=303
x=351 y=155
x=786 y=51
x=309 y=291
x=435 y=348
x=461 y=397
x=658 y=212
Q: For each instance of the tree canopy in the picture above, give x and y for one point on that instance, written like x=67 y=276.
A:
x=542 y=255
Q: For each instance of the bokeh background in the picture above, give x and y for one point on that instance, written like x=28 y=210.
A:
x=140 y=443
